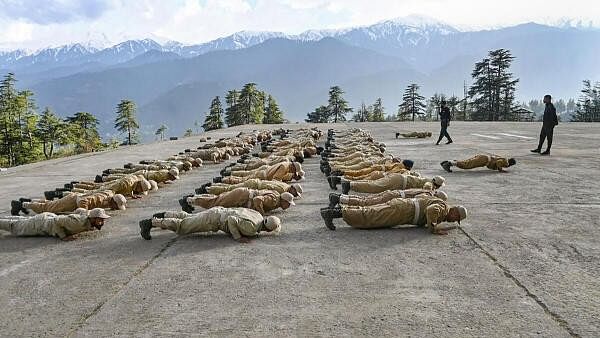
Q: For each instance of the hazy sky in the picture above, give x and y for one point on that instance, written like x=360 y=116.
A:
x=35 y=24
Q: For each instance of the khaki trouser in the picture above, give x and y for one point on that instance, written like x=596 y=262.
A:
x=65 y=204
x=392 y=213
x=183 y=223
x=474 y=162
x=372 y=176
x=383 y=197
x=380 y=185
x=26 y=226
x=229 y=199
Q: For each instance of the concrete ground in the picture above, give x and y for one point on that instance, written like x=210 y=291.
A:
x=525 y=263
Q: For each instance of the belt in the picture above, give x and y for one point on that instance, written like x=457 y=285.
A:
x=489 y=159
x=417 y=211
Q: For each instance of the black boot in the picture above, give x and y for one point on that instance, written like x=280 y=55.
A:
x=202 y=189
x=185 y=206
x=397 y=135
x=334 y=181
x=327 y=171
x=337 y=173
x=49 y=195
x=145 y=227
x=68 y=186
x=241 y=160
x=334 y=199
x=15 y=207
x=538 y=150
x=446 y=165
x=218 y=179
x=23 y=200
x=345 y=187
x=106 y=172
x=98 y=179
x=128 y=166
x=159 y=215
x=328 y=214
x=547 y=152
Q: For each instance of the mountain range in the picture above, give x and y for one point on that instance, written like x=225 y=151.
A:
x=173 y=83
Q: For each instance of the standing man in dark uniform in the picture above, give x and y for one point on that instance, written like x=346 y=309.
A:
x=549 y=122
x=445 y=118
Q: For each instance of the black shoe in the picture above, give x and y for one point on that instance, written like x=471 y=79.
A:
x=106 y=172
x=145 y=227
x=225 y=173
x=218 y=179
x=337 y=173
x=49 y=195
x=69 y=186
x=536 y=151
x=397 y=135
x=446 y=165
x=15 y=207
x=334 y=199
x=255 y=155
x=159 y=215
x=327 y=171
x=327 y=218
x=450 y=142
x=185 y=206
x=345 y=187
x=128 y=166
x=188 y=150
x=333 y=181
x=98 y=179
x=545 y=153
x=23 y=199
x=222 y=172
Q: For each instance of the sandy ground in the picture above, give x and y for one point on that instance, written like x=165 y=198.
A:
x=525 y=263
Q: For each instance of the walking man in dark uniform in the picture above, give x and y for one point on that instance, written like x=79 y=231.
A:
x=549 y=122
x=445 y=118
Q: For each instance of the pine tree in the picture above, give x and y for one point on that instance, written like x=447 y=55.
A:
x=8 y=123
x=412 y=103
x=378 y=111
x=273 y=115
x=364 y=114
x=233 y=115
x=251 y=107
x=83 y=131
x=319 y=115
x=126 y=121
x=337 y=107
x=588 y=106
x=188 y=132
x=50 y=131
x=493 y=90
x=214 y=118
x=161 y=131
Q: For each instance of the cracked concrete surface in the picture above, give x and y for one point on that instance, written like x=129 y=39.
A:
x=525 y=263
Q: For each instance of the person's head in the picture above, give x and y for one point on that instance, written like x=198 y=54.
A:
x=97 y=217
x=142 y=186
x=438 y=182
x=118 y=202
x=511 y=162
x=299 y=156
x=408 y=164
x=272 y=224
x=174 y=173
x=287 y=200
x=428 y=134
x=441 y=195
x=296 y=190
x=187 y=166
x=456 y=214
x=548 y=99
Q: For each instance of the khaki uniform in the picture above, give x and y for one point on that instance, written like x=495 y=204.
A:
x=383 y=197
x=235 y=221
x=70 y=202
x=46 y=224
x=254 y=183
x=416 y=134
x=262 y=201
x=391 y=182
x=479 y=161
x=426 y=211
x=124 y=185
x=159 y=176
x=280 y=172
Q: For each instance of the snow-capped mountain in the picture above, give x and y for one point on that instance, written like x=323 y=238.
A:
x=235 y=41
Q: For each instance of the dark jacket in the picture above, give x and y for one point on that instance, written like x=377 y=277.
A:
x=550 y=118
x=445 y=113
